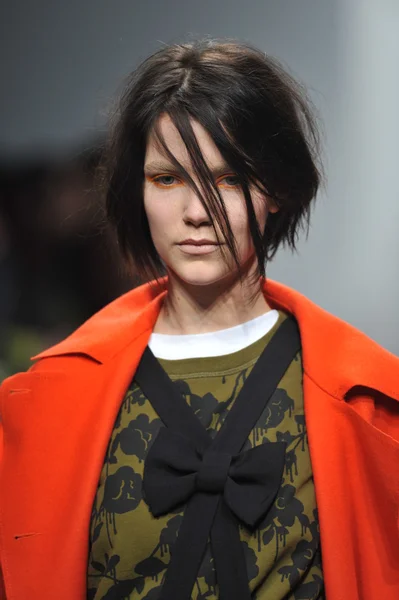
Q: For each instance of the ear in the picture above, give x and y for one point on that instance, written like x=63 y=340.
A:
x=271 y=205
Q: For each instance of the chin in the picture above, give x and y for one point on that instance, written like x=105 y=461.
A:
x=201 y=275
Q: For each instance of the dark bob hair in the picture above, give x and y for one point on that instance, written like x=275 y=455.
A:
x=258 y=117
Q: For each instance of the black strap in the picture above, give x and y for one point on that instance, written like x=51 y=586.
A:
x=208 y=513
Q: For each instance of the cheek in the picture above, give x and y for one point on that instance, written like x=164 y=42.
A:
x=156 y=218
x=238 y=216
x=157 y=210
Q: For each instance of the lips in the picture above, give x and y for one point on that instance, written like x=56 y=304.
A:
x=198 y=247
x=198 y=243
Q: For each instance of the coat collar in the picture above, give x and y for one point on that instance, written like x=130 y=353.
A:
x=336 y=356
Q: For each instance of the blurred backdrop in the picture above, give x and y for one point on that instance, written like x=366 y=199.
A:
x=62 y=64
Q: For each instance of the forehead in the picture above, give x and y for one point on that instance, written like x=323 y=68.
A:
x=176 y=145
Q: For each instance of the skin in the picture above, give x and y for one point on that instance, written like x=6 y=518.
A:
x=204 y=293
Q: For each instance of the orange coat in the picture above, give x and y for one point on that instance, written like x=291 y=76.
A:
x=58 y=418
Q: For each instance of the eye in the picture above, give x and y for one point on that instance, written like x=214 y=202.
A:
x=165 y=180
x=229 y=181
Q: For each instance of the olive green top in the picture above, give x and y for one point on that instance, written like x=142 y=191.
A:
x=130 y=549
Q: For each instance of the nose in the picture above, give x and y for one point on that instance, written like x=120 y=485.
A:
x=194 y=211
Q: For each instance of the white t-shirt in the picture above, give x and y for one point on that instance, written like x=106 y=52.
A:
x=215 y=343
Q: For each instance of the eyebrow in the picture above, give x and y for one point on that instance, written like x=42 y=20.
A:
x=159 y=166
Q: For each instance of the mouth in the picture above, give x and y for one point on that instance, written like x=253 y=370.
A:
x=196 y=247
x=202 y=242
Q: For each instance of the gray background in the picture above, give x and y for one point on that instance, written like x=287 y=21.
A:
x=61 y=63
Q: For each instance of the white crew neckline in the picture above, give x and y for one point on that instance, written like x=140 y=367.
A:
x=214 y=343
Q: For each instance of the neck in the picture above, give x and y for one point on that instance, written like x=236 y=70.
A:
x=189 y=309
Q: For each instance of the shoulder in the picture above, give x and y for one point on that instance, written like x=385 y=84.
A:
x=336 y=355
x=114 y=326
x=102 y=336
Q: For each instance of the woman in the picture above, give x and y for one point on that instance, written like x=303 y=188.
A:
x=211 y=434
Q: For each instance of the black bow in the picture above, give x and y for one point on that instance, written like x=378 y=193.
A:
x=249 y=481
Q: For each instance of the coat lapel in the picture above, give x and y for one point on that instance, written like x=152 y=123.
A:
x=357 y=493
x=57 y=428
x=351 y=393
x=59 y=416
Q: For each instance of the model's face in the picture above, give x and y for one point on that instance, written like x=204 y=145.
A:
x=175 y=213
